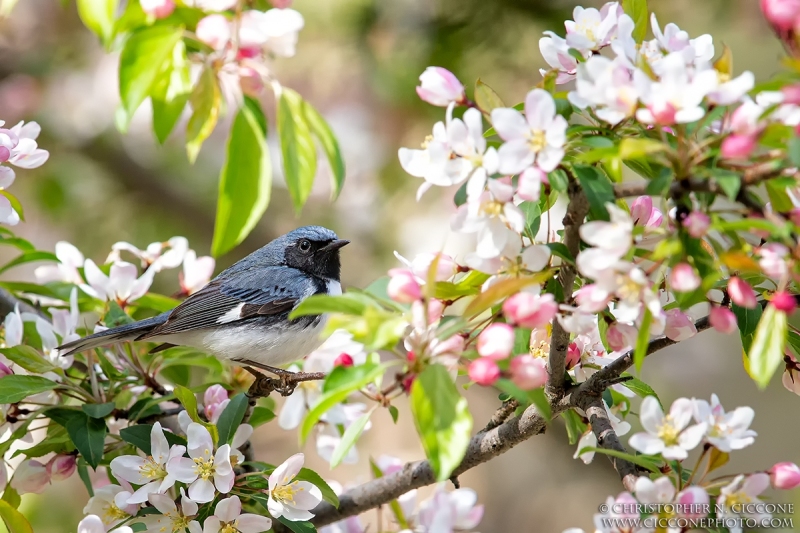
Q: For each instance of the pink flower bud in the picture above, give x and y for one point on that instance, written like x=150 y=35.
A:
x=693 y=502
x=738 y=146
x=30 y=477
x=783 y=301
x=530 y=310
x=663 y=114
x=528 y=372
x=683 y=278
x=158 y=8
x=644 y=214
x=438 y=86
x=592 y=299
x=772 y=260
x=214 y=30
x=696 y=224
x=344 y=359
x=573 y=355
x=723 y=320
x=61 y=467
x=496 y=341
x=5 y=370
x=785 y=476
x=679 y=326
x=741 y=293
x=5 y=153
x=484 y=371
x=250 y=81
x=621 y=336
x=781 y=14
x=403 y=286
x=215 y=399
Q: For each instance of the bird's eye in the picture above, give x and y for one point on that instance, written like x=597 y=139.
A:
x=304 y=245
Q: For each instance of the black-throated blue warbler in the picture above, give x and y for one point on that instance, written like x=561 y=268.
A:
x=242 y=315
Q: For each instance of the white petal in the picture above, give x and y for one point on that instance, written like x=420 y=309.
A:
x=509 y=123
x=228 y=509
x=540 y=108
x=646 y=443
x=286 y=471
x=253 y=523
x=515 y=156
x=201 y=491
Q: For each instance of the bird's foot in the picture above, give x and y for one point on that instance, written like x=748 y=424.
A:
x=285 y=384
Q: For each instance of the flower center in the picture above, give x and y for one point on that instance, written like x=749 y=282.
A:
x=112 y=513
x=230 y=527
x=492 y=208
x=627 y=288
x=537 y=140
x=179 y=523
x=285 y=493
x=737 y=498
x=152 y=470
x=204 y=467
x=668 y=432
x=427 y=141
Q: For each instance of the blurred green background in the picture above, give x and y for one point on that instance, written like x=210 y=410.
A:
x=358 y=62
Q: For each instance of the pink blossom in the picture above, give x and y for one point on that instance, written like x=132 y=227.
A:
x=496 y=341
x=621 y=336
x=215 y=399
x=573 y=355
x=679 y=326
x=782 y=14
x=528 y=372
x=741 y=293
x=214 y=30
x=530 y=310
x=696 y=224
x=683 y=278
x=738 y=146
x=785 y=476
x=5 y=370
x=791 y=94
x=344 y=359
x=723 y=320
x=529 y=186
x=644 y=214
x=60 y=467
x=693 y=501
x=439 y=87
x=773 y=262
x=403 y=286
x=592 y=298
x=30 y=477
x=158 y=8
x=783 y=301
x=484 y=371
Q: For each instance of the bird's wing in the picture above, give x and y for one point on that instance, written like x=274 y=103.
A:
x=258 y=292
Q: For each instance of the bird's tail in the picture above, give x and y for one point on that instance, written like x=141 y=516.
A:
x=128 y=332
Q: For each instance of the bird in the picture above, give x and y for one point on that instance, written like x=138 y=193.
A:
x=242 y=315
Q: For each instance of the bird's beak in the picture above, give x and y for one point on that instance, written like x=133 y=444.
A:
x=334 y=245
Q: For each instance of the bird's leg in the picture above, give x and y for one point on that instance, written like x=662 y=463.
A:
x=262 y=386
x=287 y=381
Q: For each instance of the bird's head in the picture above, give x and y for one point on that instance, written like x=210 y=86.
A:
x=313 y=249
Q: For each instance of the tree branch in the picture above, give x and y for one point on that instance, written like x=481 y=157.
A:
x=8 y=301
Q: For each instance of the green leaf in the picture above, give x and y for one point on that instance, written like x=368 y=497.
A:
x=11 y=496
x=298 y=527
x=88 y=435
x=776 y=191
x=29 y=257
x=639 y=387
x=642 y=340
x=246 y=179
x=170 y=92
x=115 y=316
x=766 y=352
x=394 y=413
x=231 y=418
x=13 y=519
x=157 y=302
x=317 y=304
x=730 y=182
x=322 y=131
x=558 y=180
x=637 y=10
x=533 y=218
x=261 y=415
x=188 y=401
x=535 y=397
x=206 y=102
x=442 y=418
x=340 y=383
x=598 y=189
x=297 y=147
x=348 y=440
x=486 y=98
x=139 y=436
x=98 y=410
x=575 y=426
x=83 y=473
x=635 y=459
x=28 y=358
x=315 y=479
x=145 y=54
x=15 y=203
x=793 y=150
x=660 y=184
x=15 y=388
x=747 y=321
x=560 y=249
x=98 y=16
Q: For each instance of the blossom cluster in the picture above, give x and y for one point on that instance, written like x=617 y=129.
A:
x=18 y=147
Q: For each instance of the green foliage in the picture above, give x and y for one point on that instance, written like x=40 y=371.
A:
x=766 y=351
x=98 y=16
x=28 y=358
x=486 y=98
x=442 y=418
x=206 y=102
x=324 y=135
x=170 y=92
x=642 y=340
x=297 y=147
x=231 y=418
x=139 y=436
x=637 y=10
x=13 y=519
x=349 y=438
x=88 y=434
x=598 y=189
x=747 y=320
x=15 y=388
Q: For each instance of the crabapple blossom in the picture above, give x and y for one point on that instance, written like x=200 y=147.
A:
x=528 y=372
x=214 y=30
x=275 y=30
x=288 y=497
x=110 y=503
x=228 y=517
x=496 y=341
x=70 y=259
x=725 y=431
x=741 y=293
x=696 y=224
x=782 y=14
x=737 y=146
x=450 y=511
x=530 y=310
x=693 y=498
x=123 y=284
x=93 y=524
x=679 y=326
x=785 y=476
x=13 y=328
x=61 y=467
x=154 y=257
x=592 y=29
x=205 y=472
x=644 y=214
x=621 y=336
x=484 y=371
x=466 y=139
x=784 y=302
x=196 y=273
x=150 y=472
x=421 y=264
x=158 y=8
x=743 y=489
x=403 y=286
x=773 y=259
x=671 y=436
x=722 y=319
x=212 y=5
x=683 y=278
x=30 y=477
x=589 y=439
x=215 y=400
x=537 y=138
x=555 y=51
x=440 y=87
x=172 y=518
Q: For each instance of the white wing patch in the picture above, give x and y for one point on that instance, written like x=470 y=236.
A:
x=232 y=315
x=334 y=287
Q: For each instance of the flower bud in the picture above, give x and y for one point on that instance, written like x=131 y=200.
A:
x=738 y=146
x=5 y=153
x=61 y=467
x=215 y=399
x=573 y=355
x=679 y=326
x=403 y=286
x=621 y=336
x=158 y=8
x=439 y=87
x=5 y=370
x=741 y=293
x=530 y=310
x=663 y=114
x=696 y=224
x=214 y=30
x=528 y=372
x=496 y=341
x=484 y=371
x=785 y=476
x=683 y=278
x=344 y=359
x=30 y=477
x=783 y=301
x=644 y=214
x=723 y=320
x=781 y=14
